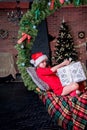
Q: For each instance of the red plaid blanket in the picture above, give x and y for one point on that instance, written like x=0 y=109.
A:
x=69 y=112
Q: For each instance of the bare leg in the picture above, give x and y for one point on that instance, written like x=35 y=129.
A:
x=69 y=88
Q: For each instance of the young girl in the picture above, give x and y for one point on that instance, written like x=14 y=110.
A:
x=48 y=74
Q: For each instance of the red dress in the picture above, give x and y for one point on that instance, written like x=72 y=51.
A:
x=51 y=79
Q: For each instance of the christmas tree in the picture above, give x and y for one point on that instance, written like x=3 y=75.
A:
x=64 y=48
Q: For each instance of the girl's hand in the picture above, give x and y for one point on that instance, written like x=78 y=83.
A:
x=66 y=62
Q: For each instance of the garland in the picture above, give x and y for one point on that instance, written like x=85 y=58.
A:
x=28 y=31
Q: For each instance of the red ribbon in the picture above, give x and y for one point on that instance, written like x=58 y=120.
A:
x=52 y=4
x=24 y=36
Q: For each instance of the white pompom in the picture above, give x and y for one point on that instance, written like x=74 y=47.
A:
x=78 y=92
x=70 y=59
x=32 y=61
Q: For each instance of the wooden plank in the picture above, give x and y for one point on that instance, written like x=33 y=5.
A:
x=12 y=5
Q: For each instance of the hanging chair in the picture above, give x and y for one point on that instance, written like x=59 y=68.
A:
x=69 y=112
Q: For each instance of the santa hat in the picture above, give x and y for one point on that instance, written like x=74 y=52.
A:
x=37 y=58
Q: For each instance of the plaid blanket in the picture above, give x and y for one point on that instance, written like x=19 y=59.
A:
x=69 y=112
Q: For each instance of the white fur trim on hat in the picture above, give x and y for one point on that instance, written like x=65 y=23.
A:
x=32 y=61
x=38 y=60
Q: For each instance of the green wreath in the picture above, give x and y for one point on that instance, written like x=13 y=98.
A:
x=28 y=31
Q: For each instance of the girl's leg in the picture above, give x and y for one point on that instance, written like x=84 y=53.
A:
x=69 y=88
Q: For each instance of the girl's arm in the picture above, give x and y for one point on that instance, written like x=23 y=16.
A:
x=54 y=68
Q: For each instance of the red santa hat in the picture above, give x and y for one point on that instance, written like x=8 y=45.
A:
x=37 y=58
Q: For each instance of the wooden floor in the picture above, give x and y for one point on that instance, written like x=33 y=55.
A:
x=21 y=109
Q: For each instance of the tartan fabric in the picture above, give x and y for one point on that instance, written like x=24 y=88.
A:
x=69 y=112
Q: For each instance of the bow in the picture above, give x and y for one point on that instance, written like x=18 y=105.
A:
x=24 y=36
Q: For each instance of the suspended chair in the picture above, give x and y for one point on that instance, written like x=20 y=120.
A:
x=69 y=112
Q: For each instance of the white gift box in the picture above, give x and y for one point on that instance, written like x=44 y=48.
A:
x=71 y=73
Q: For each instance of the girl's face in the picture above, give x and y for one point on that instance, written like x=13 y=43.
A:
x=42 y=64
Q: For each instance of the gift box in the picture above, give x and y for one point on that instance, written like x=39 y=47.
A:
x=71 y=73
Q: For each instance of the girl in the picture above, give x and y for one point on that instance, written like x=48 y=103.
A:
x=48 y=74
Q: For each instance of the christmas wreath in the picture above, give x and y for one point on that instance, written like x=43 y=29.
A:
x=28 y=31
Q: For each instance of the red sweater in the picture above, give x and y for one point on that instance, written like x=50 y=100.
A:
x=51 y=79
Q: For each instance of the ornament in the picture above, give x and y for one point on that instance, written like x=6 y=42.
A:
x=3 y=33
x=78 y=2
x=49 y=3
x=37 y=14
x=66 y=0
x=81 y=35
x=52 y=4
x=61 y=1
x=34 y=27
x=22 y=46
x=22 y=64
x=24 y=36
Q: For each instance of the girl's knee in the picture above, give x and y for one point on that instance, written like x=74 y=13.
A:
x=76 y=85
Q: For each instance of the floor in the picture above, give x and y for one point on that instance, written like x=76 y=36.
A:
x=21 y=109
